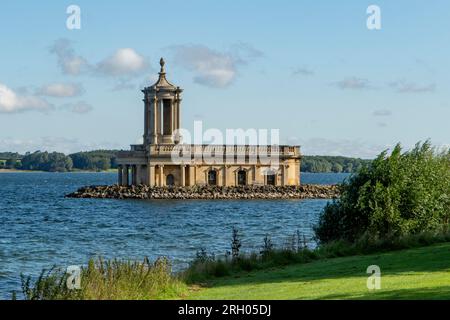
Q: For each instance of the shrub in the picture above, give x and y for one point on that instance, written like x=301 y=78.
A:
x=397 y=195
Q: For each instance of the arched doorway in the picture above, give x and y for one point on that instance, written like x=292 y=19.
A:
x=170 y=180
x=271 y=179
x=212 y=178
x=242 y=178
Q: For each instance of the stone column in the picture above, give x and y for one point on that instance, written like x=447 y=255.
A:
x=125 y=175
x=143 y=174
x=119 y=175
x=175 y=112
x=172 y=117
x=133 y=175
x=219 y=178
x=254 y=175
x=138 y=174
x=183 y=175
x=284 y=175
x=151 y=175
x=177 y=115
x=191 y=175
x=156 y=120
x=161 y=176
x=224 y=175
x=176 y=137
x=146 y=119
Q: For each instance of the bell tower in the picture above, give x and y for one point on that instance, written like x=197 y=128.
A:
x=161 y=110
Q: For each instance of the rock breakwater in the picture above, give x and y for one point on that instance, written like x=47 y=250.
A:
x=208 y=192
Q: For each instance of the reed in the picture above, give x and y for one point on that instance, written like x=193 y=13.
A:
x=108 y=280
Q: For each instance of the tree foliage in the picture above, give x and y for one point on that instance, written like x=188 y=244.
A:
x=332 y=164
x=45 y=161
x=94 y=160
x=400 y=194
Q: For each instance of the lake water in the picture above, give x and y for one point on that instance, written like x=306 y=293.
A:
x=40 y=228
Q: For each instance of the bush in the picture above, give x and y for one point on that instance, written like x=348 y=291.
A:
x=397 y=195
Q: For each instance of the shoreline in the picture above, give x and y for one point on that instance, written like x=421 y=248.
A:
x=39 y=171
x=307 y=191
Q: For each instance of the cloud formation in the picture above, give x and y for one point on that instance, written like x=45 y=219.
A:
x=338 y=147
x=79 y=107
x=353 y=83
x=69 y=62
x=61 y=90
x=213 y=68
x=303 y=71
x=412 y=87
x=124 y=62
x=58 y=144
x=13 y=102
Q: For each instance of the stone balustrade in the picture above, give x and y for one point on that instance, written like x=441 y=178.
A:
x=291 y=151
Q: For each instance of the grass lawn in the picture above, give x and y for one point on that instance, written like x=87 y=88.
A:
x=422 y=273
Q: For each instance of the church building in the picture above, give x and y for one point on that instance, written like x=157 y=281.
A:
x=152 y=163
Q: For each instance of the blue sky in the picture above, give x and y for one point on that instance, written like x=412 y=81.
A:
x=310 y=68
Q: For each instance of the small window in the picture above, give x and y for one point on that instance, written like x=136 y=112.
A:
x=271 y=179
x=212 y=178
x=242 y=178
x=170 y=180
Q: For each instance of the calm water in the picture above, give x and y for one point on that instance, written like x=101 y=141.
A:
x=40 y=228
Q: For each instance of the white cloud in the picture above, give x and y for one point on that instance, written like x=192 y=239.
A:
x=78 y=107
x=338 y=147
x=61 y=90
x=403 y=86
x=125 y=61
x=68 y=61
x=58 y=144
x=353 y=83
x=214 y=68
x=303 y=71
x=12 y=102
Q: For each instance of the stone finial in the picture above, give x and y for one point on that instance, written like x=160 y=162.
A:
x=162 y=63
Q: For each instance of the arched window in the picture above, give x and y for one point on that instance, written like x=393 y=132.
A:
x=242 y=178
x=271 y=179
x=212 y=178
x=170 y=180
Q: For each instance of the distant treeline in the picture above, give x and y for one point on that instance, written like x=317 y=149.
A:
x=332 y=164
x=97 y=160
x=100 y=160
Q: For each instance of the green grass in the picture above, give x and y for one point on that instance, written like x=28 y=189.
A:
x=421 y=273
x=109 y=280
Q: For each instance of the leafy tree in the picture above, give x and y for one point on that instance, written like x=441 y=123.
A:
x=400 y=194
x=11 y=164
x=337 y=167
x=45 y=161
x=332 y=164
x=94 y=160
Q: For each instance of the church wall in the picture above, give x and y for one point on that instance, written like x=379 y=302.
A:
x=175 y=171
x=226 y=174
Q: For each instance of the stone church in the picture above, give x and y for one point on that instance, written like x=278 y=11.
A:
x=152 y=163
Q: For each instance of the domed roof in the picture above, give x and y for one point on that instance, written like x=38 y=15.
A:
x=162 y=82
